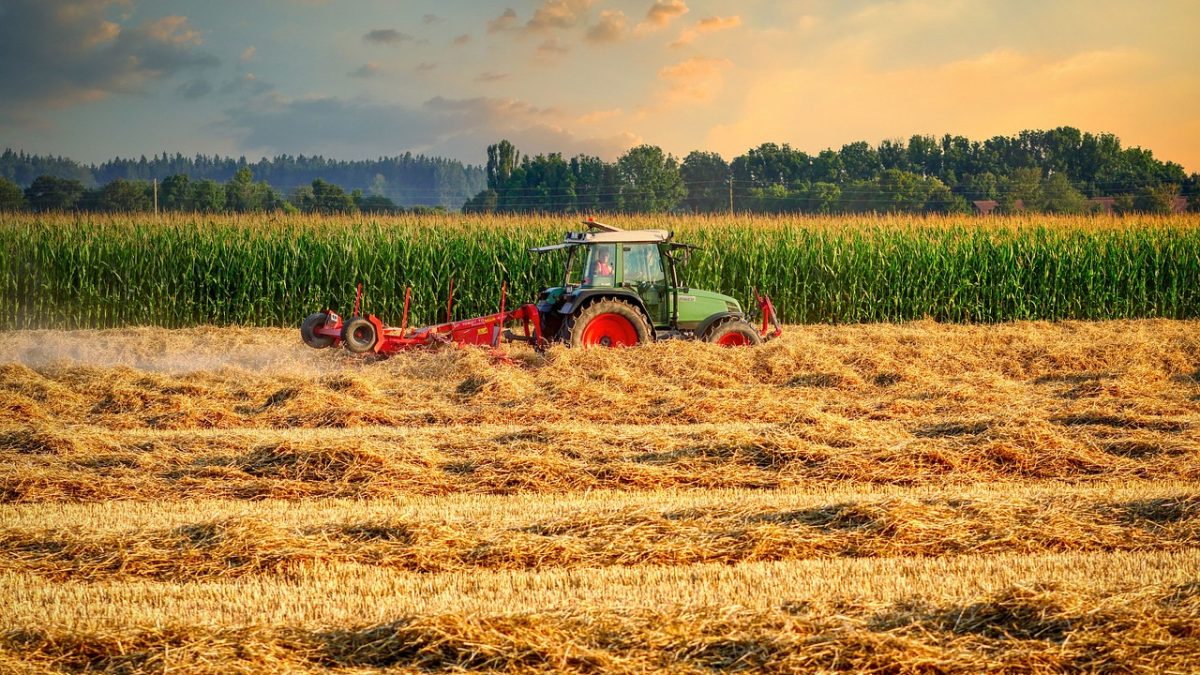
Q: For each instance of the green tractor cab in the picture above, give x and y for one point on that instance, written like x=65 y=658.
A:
x=622 y=288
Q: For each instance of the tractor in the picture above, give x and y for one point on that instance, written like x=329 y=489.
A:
x=621 y=288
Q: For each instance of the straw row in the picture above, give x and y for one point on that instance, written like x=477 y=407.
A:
x=1024 y=628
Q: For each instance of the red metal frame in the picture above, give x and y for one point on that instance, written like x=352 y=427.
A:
x=483 y=330
x=770 y=320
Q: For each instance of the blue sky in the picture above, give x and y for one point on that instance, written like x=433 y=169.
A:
x=361 y=78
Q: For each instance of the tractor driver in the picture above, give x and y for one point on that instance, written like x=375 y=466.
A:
x=602 y=267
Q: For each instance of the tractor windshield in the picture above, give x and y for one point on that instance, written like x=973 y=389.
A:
x=594 y=265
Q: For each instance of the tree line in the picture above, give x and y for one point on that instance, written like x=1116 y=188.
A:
x=178 y=192
x=1056 y=171
x=407 y=180
x=1051 y=171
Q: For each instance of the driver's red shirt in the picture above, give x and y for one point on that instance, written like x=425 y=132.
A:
x=603 y=269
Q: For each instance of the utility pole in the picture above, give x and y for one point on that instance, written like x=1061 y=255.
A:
x=155 y=197
x=731 y=194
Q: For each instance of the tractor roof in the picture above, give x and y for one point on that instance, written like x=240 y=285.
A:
x=599 y=233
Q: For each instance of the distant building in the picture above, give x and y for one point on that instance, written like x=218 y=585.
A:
x=985 y=207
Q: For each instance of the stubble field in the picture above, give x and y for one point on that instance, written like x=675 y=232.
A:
x=906 y=497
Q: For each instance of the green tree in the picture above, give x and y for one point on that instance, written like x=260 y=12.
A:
x=1021 y=190
x=979 y=186
x=328 y=198
x=595 y=184
x=827 y=167
x=1156 y=199
x=502 y=159
x=243 y=195
x=941 y=199
x=893 y=154
x=860 y=161
x=925 y=155
x=239 y=192
x=706 y=177
x=542 y=184
x=484 y=202
x=126 y=196
x=822 y=197
x=1059 y=196
x=208 y=196
x=374 y=203
x=48 y=193
x=11 y=196
x=1123 y=205
x=650 y=180
x=175 y=193
x=902 y=191
x=773 y=198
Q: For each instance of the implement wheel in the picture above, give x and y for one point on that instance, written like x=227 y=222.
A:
x=359 y=335
x=311 y=324
x=736 y=333
x=607 y=323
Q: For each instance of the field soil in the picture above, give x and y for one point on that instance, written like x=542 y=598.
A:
x=898 y=498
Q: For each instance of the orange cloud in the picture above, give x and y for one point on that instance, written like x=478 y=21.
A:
x=173 y=30
x=557 y=14
x=506 y=21
x=551 y=50
x=695 y=80
x=598 y=116
x=662 y=12
x=707 y=25
x=609 y=28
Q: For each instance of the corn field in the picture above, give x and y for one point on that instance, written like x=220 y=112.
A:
x=85 y=271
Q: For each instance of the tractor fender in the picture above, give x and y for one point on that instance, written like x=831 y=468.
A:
x=715 y=319
x=586 y=296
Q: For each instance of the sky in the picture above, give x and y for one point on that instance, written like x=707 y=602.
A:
x=355 y=79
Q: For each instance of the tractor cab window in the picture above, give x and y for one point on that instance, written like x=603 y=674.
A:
x=595 y=265
x=643 y=264
x=643 y=272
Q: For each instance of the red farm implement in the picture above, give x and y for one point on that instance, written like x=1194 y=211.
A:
x=368 y=334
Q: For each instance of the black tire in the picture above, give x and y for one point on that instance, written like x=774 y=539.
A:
x=359 y=335
x=575 y=326
x=313 y=322
x=733 y=333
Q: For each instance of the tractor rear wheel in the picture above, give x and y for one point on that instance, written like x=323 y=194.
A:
x=308 y=334
x=735 y=333
x=359 y=335
x=607 y=323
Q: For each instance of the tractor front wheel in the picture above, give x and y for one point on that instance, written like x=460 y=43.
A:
x=736 y=333
x=359 y=335
x=607 y=323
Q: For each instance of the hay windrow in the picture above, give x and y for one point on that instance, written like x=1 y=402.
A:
x=1023 y=628
x=720 y=531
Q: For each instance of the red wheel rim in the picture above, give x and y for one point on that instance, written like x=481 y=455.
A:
x=734 y=340
x=363 y=334
x=609 y=330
